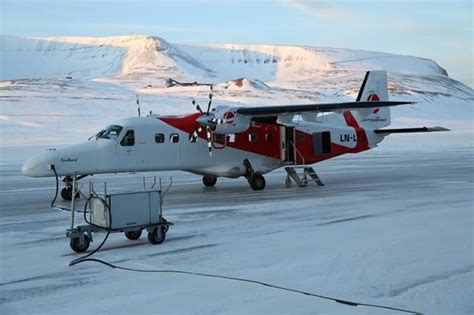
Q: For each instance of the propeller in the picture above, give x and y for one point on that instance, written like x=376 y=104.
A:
x=207 y=121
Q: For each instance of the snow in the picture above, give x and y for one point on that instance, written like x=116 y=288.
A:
x=48 y=83
x=392 y=226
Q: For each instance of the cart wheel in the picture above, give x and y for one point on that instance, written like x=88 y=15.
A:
x=76 y=244
x=133 y=235
x=157 y=235
x=166 y=226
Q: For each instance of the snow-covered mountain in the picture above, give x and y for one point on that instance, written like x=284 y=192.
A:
x=49 y=85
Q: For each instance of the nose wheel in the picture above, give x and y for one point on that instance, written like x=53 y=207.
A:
x=66 y=192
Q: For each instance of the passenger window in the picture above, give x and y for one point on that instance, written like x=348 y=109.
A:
x=268 y=137
x=159 y=138
x=129 y=139
x=174 y=138
x=231 y=138
x=252 y=137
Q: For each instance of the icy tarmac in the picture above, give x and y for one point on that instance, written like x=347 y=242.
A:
x=393 y=226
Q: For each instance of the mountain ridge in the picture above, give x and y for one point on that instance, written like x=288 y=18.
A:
x=98 y=77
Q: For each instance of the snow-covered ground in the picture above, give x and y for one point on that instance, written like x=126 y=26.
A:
x=392 y=226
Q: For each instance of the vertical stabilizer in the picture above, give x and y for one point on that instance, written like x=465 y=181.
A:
x=374 y=88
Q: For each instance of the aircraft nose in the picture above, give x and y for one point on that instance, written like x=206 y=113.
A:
x=32 y=168
x=37 y=166
x=28 y=168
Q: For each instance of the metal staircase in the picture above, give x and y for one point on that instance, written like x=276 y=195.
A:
x=302 y=180
x=293 y=165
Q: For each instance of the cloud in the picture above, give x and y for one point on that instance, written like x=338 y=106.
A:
x=321 y=8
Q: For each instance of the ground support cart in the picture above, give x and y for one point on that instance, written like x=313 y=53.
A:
x=127 y=212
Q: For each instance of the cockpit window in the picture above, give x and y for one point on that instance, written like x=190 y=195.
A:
x=129 y=139
x=111 y=132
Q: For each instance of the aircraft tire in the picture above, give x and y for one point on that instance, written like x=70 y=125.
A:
x=257 y=182
x=209 y=181
x=66 y=193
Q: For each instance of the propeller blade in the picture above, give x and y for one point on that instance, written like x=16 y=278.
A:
x=193 y=101
x=210 y=100
x=209 y=143
x=209 y=104
x=216 y=121
x=193 y=137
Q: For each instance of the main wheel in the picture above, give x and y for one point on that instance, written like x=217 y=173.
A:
x=209 y=181
x=157 y=235
x=66 y=193
x=133 y=235
x=76 y=244
x=257 y=182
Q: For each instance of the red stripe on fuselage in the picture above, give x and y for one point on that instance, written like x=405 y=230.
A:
x=304 y=143
x=271 y=148
x=259 y=131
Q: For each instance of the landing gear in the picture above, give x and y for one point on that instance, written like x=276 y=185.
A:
x=66 y=193
x=288 y=181
x=209 y=181
x=255 y=179
x=257 y=182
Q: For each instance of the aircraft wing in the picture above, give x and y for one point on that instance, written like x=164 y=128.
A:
x=266 y=111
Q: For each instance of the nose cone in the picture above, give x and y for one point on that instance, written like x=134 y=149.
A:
x=38 y=166
x=28 y=167
x=77 y=159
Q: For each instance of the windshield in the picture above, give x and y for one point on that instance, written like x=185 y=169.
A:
x=111 y=132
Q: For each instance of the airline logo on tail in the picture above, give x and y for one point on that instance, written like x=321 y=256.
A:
x=373 y=98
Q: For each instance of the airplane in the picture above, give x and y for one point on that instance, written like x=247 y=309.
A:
x=231 y=141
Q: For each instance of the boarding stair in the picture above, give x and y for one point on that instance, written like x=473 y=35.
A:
x=303 y=177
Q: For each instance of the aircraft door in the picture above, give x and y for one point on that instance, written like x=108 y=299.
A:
x=321 y=143
x=126 y=149
x=287 y=144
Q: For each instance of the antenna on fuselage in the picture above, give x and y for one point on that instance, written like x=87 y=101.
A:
x=138 y=106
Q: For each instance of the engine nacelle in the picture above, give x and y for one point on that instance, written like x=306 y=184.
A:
x=233 y=122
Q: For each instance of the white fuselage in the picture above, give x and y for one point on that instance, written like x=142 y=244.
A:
x=174 y=151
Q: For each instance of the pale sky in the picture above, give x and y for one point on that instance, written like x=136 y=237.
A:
x=441 y=30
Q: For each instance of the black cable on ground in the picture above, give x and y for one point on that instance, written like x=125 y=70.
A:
x=346 y=302
x=86 y=258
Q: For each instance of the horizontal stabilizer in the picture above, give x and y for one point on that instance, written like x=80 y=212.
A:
x=410 y=130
